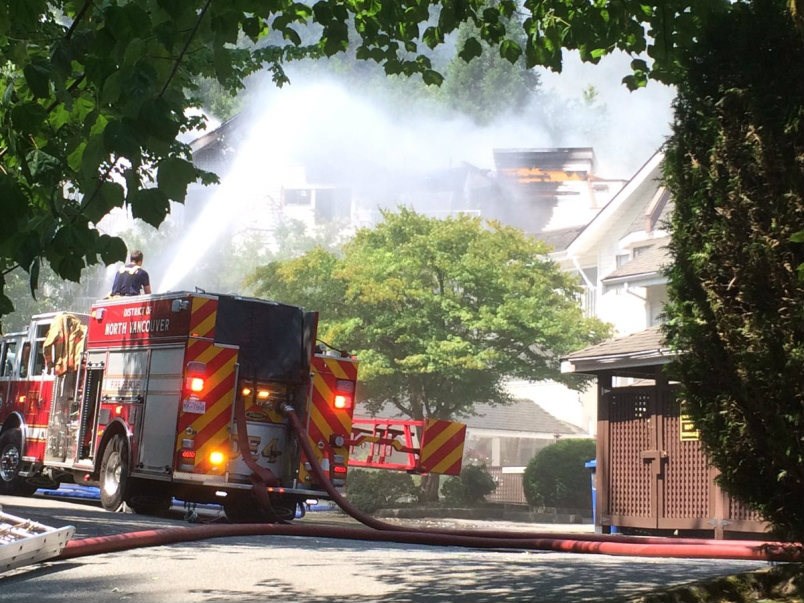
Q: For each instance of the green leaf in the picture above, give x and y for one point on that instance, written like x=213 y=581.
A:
x=510 y=51
x=108 y=196
x=120 y=139
x=111 y=88
x=15 y=206
x=173 y=176
x=33 y=274
x=37 y=76
x=44 y=167
x=150 y=205
x=134 y=51
x=432 y=78
x=28 y=117
x=91 y=157
x=252 y=28
x=471 y=49
x=156 y=118
x=111 y=249
x=71 y=267
x=6 y=305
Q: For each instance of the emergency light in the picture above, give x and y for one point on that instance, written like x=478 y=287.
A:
x=216 y=457
x=343 y=398
x=342 y=402
x=194 y=379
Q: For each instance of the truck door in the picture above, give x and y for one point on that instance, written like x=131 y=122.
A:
x=160 y=412
x=8 y=353
x=35 y=393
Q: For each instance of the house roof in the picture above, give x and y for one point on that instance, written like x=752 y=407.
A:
x=646 y=266
x=559 y=240
x=643 y=350
x=640 y=190
x=522 y=415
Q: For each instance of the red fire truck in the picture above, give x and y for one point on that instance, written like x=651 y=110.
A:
x=175 y=395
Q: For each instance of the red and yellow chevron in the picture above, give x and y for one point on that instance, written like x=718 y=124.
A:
x=202 y=317
x=442 y=447
x=324 y=420
x=211 y=428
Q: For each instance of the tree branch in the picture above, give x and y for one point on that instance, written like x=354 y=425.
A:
x=186 y=47
x=79 y=15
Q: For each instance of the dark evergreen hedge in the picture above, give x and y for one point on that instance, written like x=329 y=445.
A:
x=735 y=167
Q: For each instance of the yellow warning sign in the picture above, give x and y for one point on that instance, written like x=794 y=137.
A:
x=689 y=433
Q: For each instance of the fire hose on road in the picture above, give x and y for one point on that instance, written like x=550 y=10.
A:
x=604 y=544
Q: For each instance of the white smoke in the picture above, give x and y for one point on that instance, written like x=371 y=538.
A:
x=320 y=129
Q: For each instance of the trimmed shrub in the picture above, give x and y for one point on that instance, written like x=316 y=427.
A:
x=373 y=490
x=557 y=476
x=470 y=488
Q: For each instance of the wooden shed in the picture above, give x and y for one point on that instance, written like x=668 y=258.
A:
x=651 y=473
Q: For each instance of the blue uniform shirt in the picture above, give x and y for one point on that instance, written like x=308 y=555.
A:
x=131 y=279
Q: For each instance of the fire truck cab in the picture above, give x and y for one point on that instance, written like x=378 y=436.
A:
x=175 y=395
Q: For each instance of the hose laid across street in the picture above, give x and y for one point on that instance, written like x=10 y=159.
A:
x=604 y=544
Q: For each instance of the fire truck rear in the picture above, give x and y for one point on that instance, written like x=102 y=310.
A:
x=175 y=395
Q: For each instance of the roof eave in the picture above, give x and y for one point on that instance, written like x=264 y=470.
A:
x=614 y=362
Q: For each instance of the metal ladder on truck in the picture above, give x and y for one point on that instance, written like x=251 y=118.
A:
x=414 y=446
x=23 y=542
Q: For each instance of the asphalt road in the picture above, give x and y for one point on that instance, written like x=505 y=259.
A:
x=318 y=570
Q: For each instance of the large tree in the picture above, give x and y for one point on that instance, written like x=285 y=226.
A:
x=440 y=312
x=735 y=164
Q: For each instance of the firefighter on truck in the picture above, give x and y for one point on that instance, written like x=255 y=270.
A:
x=179 y=395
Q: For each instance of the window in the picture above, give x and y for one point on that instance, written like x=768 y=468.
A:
x=8 y=359
x=5 y=365
x=622 y=259
x=39 y=356
x=297 y=196
x=25 y=359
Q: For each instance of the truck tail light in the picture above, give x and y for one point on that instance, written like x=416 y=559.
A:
x=195 y=376
x=344 y=393
x=186 y=460
x=342 y=402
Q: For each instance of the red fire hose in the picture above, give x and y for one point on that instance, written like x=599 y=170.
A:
x=605 y=544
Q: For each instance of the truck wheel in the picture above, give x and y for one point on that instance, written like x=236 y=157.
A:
x=10 y=460
x=114 y=474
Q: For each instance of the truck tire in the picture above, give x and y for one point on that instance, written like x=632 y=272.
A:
x=10 y=460
x=114 y=471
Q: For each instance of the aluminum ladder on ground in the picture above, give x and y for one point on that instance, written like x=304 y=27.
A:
x=23 y=542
